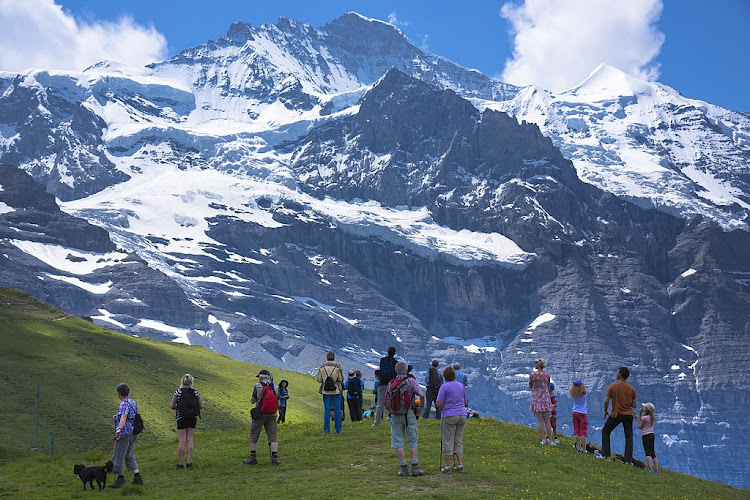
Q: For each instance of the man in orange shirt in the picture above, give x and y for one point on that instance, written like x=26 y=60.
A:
x=623 y=399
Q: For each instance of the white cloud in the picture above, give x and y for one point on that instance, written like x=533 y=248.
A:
x=559 y=42
x=394 y=20
x=38 y=33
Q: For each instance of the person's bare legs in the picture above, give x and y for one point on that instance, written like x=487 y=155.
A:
x=190 y=445
x=548 y=426
x=181 y=433
x=540 y=423
x=656 y=464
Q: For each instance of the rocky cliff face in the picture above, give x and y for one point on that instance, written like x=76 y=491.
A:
x=272 y=200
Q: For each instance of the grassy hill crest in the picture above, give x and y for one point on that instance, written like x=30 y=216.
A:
x=78 y=364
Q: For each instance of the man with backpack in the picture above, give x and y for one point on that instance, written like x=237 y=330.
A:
x=387 y=373
x=331 y=381
x=433 y=381
x=263 y=414
x=353 y=386
x=399 y=401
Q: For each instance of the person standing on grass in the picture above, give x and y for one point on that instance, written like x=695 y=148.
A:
x=265 y=398
x=541 y=404
x=187 y=404
x=403 y=419
x=580 y=417
x=123 y=454
x=353 y=387
x=452 y=402
x=433 y=381
x=553 y=416
x=623 y=399
x=331 y=381
x=283 y=397
x=646 y=420
x=387 y=373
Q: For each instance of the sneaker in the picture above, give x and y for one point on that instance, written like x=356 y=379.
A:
x=416 y=471
x=404 y=471
x=188 y=465
x=446 y=469
x=138 y=480
x=543 y=442
x=552 y=443
x=180 y=466
x=119 y=482
x=459 y=468
x=275 y=460
x=252 y=460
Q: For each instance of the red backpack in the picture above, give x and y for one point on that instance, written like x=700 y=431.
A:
x=268 y=400
x=399 y=397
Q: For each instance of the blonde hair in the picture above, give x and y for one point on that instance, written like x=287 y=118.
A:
x=648 y=411
x=187 y=380
x=541 y=362
x=577 y=391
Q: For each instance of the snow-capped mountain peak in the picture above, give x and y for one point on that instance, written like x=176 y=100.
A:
x=606 y=82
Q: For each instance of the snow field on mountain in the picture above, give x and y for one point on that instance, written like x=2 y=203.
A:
x=175 y=204
x=58 y=257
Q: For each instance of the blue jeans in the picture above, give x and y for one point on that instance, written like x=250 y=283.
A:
x=328 y=401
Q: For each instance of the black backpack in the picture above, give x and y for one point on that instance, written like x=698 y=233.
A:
x=329 y=385
x=355 y=388
x=434 y=381
x=188 y=404
x=137 y=422
x=387 y=369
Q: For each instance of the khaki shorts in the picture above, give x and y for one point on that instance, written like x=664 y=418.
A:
x=267 y=421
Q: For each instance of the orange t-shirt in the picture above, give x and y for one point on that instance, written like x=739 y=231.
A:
x=622 y=395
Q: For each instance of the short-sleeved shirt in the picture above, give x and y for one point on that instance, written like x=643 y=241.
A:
x=462 y=377
x=648 y=425
x=453 y=396
x=622 y=395
x=579 y=404
x=553 y=400
x=128 y=407
x=178 y=395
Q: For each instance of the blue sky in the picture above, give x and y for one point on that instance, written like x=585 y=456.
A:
x=700 y=48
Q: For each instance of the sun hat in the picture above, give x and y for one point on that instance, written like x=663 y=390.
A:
x=577 y=382
x=264 y=372
x=552 y=386
x=649 y=406
x=351 y=373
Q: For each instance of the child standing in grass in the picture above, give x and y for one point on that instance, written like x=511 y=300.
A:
x=580 y=418
x=645 y=421
x=553 y=417
x=283 y=396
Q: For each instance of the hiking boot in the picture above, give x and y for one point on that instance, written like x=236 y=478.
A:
x=404 y=471
x=416 y=471
x=275 y=460
x=119 y=482
x=180 y=466
x=138 y=480
x=459 y=468
x=251 y=460
x=188 y=465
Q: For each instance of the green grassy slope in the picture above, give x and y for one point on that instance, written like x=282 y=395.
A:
x=78 y=365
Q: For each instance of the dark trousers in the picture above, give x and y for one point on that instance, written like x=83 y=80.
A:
x=282 y=414
x=627 y=425
x=355 y=409
x=430 y=399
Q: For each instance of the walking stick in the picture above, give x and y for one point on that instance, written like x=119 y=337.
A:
x=440 y=461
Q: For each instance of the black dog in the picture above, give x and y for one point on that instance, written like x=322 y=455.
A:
x=91 y=474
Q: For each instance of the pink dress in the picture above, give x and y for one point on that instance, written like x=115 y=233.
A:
x=539 y=385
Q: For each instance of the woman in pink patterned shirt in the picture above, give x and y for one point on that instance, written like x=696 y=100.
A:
x=541 y=404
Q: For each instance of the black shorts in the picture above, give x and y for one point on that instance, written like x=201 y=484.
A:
x=187 y=423
x=648 y=445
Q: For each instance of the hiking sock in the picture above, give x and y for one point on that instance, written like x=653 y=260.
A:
x=415 y=462
x=403 y=463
